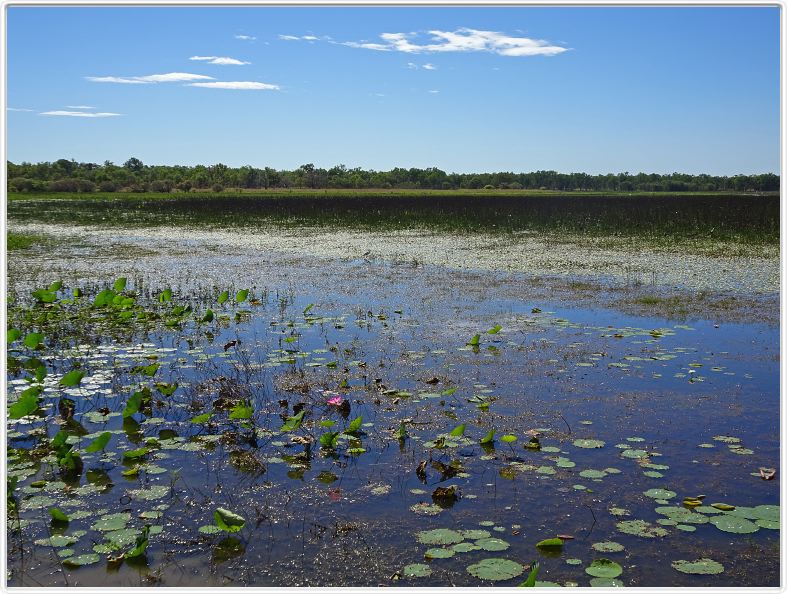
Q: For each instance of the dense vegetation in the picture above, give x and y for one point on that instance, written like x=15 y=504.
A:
x=134 y=176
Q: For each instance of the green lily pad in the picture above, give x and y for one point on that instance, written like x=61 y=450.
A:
x=766 y=512
x=682 y=515
x=660 y=493
x=604 y=568
x=57 y=540
x=685 y=527
x=769 y=524
x=492 y=544
x=574 y=561
x=475 y=534
x=209 y=529
x=439 y=553
x=426 y=509
x=439 y=536
x=634 y=454
x=417 y=570
x=111 y=522
x=81 y=560
x=734 y=524
x=465 y=547
x=592 y=474
x=608 y=546
x=606 y=583
x=589 y=443
x=495 y=569
x=698 y=567
x=640 y=528
x=151 y=493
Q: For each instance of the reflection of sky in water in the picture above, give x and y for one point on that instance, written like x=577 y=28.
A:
x=671 y=391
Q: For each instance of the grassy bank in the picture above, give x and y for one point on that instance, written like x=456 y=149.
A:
x=22 y=241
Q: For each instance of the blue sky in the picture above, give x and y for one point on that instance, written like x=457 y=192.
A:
x=589 y=89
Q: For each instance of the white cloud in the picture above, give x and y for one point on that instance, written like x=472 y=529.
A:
x=151 y=78
x=18 y=109
x=239 y=85
x=80 y=114
x=309 y=38
x=462 y=40
x=245 y=37
x=434 y=92
x=289 y=37
x=80 y=107
x=412 y=66
x=429 y=67
x=115 y=79
x=221 y=61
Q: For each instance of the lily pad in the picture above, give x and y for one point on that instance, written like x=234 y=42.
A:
x=439 y=553
x=440 y=536
x=589 y=443
x=417 y=570
x=495 y=569
x=475 y=534
x=734 y=524
x=81 y=560
x=608 y=546
x=605 y=583
x=111 y=522
x=592 y=474
x=426 y=509
x=682 y=515
x=640 y=528
x=492 y=544
x=766 y=512
x=604 y=568
x=465 y=547
x=698 y=567
x=660 y=493
x=634 y=454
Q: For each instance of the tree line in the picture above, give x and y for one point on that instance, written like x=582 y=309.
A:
x=66 y=175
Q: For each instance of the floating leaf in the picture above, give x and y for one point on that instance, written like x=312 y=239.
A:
x=440 y=536
x=589 y=443
x=606 y=583
x=604 y=568
x=508 y=438
x=11 y=335
x=241 y=296
x=489 y=437
x=120 y=285
x=417 y=570
x=475 y=340
x=608 y=546
x=492 y=544
x=227 y=520
x=166 y=295
x=766 y=512
x=550 y=544
x=495 y=330
x=640 y=528
x=698 y=567
x=292 y=423
x=208 y=317
x=133 y=404
x=241 y=411
x=439 y=553
x=133 y=454
x=734 y=524
x=495 y=569
x=201 y=418
x=81 y=560
x=660 y=493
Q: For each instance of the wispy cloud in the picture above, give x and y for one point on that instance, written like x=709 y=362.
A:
x=80 y=114
x=433 y=92
x=18 y=109
x=461 y=40
x=221 y=61
x=245 y=37
x=414 y=66
x=150 y=78
x=80 y=107
x=310 y=38
x=238 y=85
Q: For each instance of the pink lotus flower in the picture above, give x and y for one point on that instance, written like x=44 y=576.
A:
x=335 y=401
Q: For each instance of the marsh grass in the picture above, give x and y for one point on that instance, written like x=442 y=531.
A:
x=657 y=217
